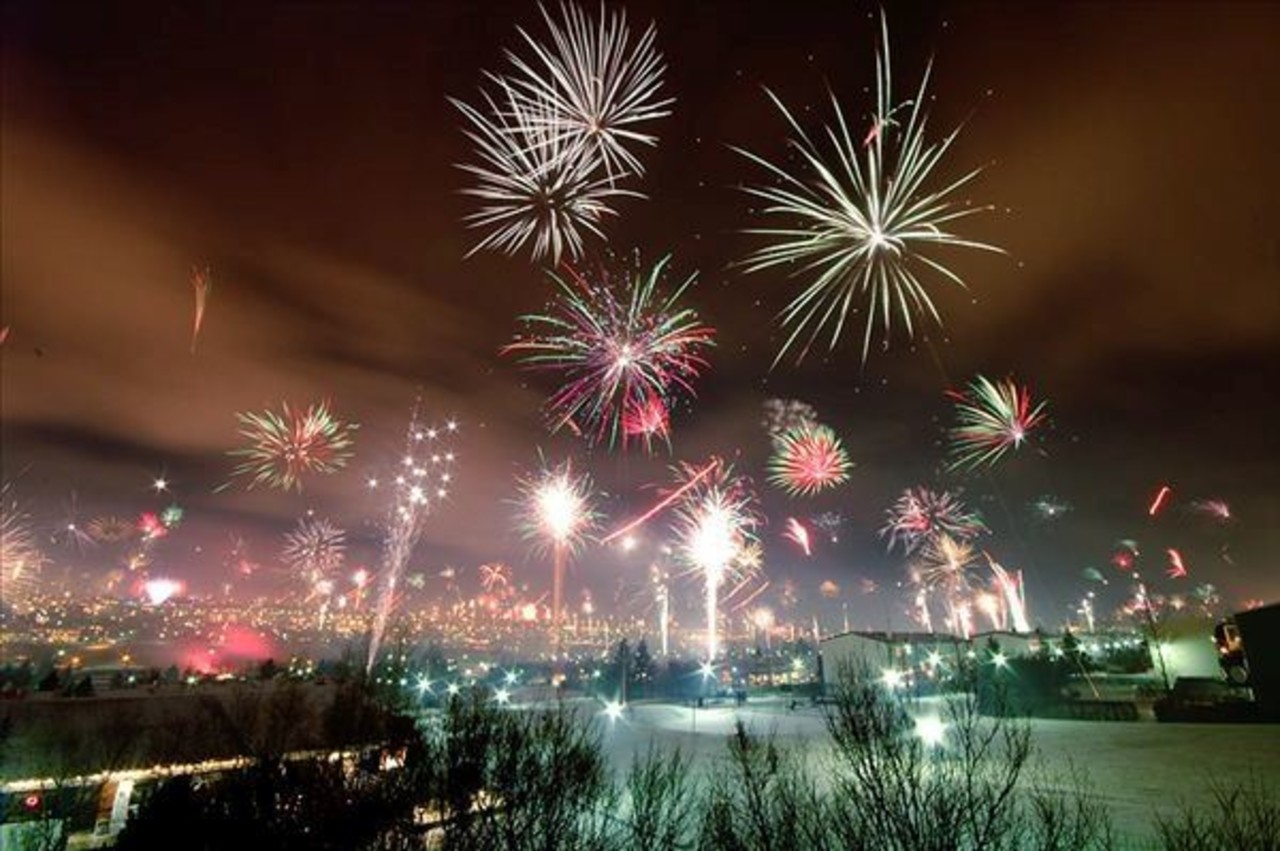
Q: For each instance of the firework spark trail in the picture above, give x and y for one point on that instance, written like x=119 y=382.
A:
x=693 y=479
x=622 y=348
x=597 y=86
x=1013 y=593
x=284 y=447
x=797 y=533
x=861 y=218
x=1158 y=503
x=991 y=419
x=422 y=479
x=1216 y=509
x=807 y=460
x=921 y=513
x=1177 y=569
x=201 y=283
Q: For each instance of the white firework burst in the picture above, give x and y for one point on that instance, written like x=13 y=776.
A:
x=598 y=86
x=859 y=212
x=534 y=186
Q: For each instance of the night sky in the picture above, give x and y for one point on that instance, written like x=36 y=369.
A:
x=307 y=154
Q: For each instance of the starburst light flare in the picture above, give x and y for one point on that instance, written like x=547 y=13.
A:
x=991 y=419
x=625 y=351
x=860 y=217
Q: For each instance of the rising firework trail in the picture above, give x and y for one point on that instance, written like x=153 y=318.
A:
x=992 y=418
x=625 y=352
x=859 y=218
x=1158 y=502
x=421 y=481
x=690 y=479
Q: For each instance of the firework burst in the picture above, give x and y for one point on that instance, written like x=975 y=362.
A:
x=991 y=419
x=626 y=353
x=921 y=513
x=714 y=522
x=807 y=460
x=784 y=415
x=284 y=447
x=594 y=87
x=111 y=530
x=944 y=567
x=556 y=509
x=556 y=514
x=534 y=188
x=861 y=218
x=315 y=550
x=21 y=558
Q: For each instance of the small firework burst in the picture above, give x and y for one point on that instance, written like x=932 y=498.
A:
x=21 y=558
x=151 y=527
x=829 y=523
x=172 y=516
x=111 y=530
x=991 y=419
x=495 y=577
x=647 y=421
x=807 y=460
x=921 y=513
x=284 y=447
x=784 y=415
x=626 y=352
x=1048 y=508
x=315 y=550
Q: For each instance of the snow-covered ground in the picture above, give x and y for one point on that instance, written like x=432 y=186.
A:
x=1139 y=768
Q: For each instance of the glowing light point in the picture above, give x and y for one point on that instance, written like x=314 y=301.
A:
x=613 y=710
x=931 y=730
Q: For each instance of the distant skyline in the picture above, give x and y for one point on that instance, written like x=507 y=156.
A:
x=307 y=155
